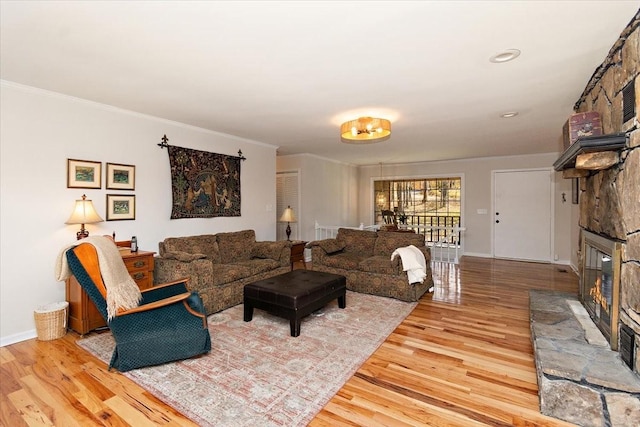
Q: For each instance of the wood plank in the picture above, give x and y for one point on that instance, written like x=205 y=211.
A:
x=5 y=355
x=29 y=410
x=597 y=161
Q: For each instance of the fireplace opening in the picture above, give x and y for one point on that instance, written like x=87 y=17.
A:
x=600 y=283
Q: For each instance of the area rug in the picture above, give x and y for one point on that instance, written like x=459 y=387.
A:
x=257 y=374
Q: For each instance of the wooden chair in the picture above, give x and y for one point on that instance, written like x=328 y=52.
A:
x=389 y=217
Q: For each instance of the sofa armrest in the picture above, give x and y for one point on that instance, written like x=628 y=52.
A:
x=426 y=251
x=277 y=250
x=427 y=254
x=329 y=246
x=200 y=271
x=319 y=249
x=317 y=255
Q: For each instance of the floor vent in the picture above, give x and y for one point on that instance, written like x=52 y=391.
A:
x=628 y=101
x=627 y=344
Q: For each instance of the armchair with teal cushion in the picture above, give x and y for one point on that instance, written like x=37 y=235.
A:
x=169 y=324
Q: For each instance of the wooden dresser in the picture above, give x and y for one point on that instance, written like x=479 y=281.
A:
x=83 y=314
x=297 y=253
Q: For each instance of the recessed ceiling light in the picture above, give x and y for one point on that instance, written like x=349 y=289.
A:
x=509 y=114
x=506 y=56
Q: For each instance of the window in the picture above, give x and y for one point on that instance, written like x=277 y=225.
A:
x=431 y=203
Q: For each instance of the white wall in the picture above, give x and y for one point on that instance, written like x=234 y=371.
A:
x=477 y=194
x=39 y=131
x=328 y=191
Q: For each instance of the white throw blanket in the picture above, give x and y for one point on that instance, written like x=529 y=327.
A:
x=122 y=290
x=413 y=262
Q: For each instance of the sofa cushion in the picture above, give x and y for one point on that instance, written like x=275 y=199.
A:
x=226 y=273
x=358 y=241
x=205 y=244
x=183 y=256
x=347 y=261
x=378 y=264
x=236 y=245
x=268 y=250
x=331 y=246
x=257 y=265
x=389 y=241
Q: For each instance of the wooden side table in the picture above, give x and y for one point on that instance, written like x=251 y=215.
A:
x=297 y=253
x=83 y=314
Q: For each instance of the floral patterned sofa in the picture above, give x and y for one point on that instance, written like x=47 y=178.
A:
x=364 y=258
x=219 y=265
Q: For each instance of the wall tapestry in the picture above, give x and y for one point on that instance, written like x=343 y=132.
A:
x=203 y=184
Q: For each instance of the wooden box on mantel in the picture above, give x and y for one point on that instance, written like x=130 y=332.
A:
x=581 y=124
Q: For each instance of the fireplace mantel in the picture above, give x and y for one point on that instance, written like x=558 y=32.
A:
x=590 y=144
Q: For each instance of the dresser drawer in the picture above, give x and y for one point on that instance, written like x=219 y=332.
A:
x=143 y=279
x=139 y=264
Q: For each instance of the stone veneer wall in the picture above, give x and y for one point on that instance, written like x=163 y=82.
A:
x=610 y=199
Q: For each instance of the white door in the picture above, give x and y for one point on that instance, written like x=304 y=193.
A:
x=522 y=215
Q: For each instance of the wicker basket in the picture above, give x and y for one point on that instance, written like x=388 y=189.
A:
x=51 y=320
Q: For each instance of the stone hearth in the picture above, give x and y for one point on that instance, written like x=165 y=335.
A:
x=580 y=379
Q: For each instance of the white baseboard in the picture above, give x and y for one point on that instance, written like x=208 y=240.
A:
x=22 y=336
x=476 y=254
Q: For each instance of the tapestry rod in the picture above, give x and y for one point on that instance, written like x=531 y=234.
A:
x=164 y=144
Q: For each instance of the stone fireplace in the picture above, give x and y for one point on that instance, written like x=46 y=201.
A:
x=609 y=194
x=586 y=375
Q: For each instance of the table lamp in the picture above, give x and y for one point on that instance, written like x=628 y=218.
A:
x=288 y=217
x=83 y=213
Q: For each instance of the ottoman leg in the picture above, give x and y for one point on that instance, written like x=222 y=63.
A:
x=342 y=301
x=248 y=312
x=294 y=323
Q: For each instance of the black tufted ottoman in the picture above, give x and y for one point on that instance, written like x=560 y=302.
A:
x=294 y=295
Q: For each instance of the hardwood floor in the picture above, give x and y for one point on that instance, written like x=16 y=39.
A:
x=463 y=357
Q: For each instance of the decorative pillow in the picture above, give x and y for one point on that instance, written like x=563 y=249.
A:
x=331 y=246
x=183 y=256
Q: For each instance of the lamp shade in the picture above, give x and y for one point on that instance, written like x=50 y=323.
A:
x=365 y=130
x=288 y=215
x=84 y=213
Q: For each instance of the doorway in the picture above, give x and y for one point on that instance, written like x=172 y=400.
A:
x=287 y=194
x=523 y=214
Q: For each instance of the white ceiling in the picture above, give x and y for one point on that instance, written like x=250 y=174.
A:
x=288 y=73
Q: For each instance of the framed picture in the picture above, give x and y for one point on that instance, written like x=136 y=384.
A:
x=121 y=177
x=84 y=174
x=121 y=207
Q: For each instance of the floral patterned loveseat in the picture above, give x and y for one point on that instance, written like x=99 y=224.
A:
x=219 y=265
x=364 y=258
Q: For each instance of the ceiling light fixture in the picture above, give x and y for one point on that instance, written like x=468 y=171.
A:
x=365 y=130
x=509 y=114
x=506 y=56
